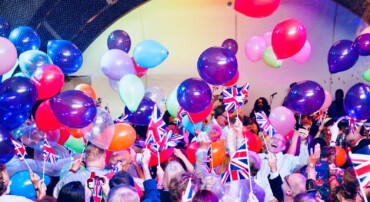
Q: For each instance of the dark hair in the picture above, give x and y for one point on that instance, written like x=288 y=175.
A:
x=339 y=91
x=205 y=196
x=266 y=107
x=247 y=121
x=3 y=185
x=219 y=111
x=179 y=183
x=166 y=117
x=121 y=178
x=303 y=197
x=140 y=130
x=47 y=198
x=329 y=123
x=73 y=191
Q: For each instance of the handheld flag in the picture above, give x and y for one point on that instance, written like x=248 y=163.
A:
x=238 y=166
x=49 y=154
x=20 y=150
x=188 y=195
x=264 y=123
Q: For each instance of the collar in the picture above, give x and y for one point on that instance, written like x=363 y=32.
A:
x=280 y=154
x=94 y=169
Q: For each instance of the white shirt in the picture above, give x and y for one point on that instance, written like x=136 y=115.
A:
x=286 y=165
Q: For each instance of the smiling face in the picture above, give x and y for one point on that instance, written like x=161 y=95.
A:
x=277 y=144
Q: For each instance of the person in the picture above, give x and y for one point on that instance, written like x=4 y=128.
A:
x=323 y=135
x=128 y=163
x=123 y=193
x=73 y=191
x=336 y=109
x=357 y=142
x=123 y=178
x=304 y=197
x=178 y=185
x=260 y=105
x=5 y=187
x=220 y=119
x=205 y=196
x=214 y=131
x=172 y=170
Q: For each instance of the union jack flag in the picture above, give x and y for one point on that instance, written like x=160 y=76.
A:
x=361 y=165
x=188 y=195
x=209 y=159
x=353 y=123
x=244 y=92
x=367 y=127
x=156 y=134
x=232 y=98
x=238 y=166
x=264 y=123
x=180 y=115
x=49 y=154
x=122 y=119
x=20 y=150
x=117 y=166
x=319 y=116
x=97 y=191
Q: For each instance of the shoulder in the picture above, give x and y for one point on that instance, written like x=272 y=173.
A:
x=7 y=198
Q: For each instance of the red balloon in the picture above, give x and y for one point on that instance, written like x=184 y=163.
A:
x=340 y=157
x=163 y=156
x=45 y=118
x=49 y=80
x=256 y=8
x=75 y=132
x=198 y=117
x=288 y=38
x=140 y=71
x=234 y=80
x=190 y=151
x=64 y=135
x=107 y=156
x=254 y=142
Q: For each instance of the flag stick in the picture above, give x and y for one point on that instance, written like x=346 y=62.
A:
x=159 y=160
x=228 y=119
x=211 y=157
x=249 y=167
x=362 y=189
x=27 y=164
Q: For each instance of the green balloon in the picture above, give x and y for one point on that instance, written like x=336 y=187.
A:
x=366 y=75
x=172 y=104
x=131 y=90
x=77 y=145
x=270 y=58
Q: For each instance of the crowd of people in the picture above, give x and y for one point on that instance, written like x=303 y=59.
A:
x=300 y=167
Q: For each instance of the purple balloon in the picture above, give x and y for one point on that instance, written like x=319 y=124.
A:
x=6 y=147
x=305 y=97
x=231 y=45
x=119 y=39
x=342 y=56
x=217 y=66
x=363 y=44
x=194 y=95
x=73 y=108
x=357 y=101
x=143 y=113
x=65 y=55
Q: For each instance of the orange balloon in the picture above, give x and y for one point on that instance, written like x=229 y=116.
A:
x=218 y=154
x=86 y=89
x=75 y=132
x=221 y=141
x=123 y=137
x=340 y=157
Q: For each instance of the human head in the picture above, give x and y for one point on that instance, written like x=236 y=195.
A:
x=221 y=116
x=95 y=157
x=255 y=162
x=4 y=180
x=339 y=94
x=124 y=157
x=276 y=143
x=205 y=196
x=354 y=137
x=167 y=118
x=179 y=183
x=327 y=133
x=121 y=178
x=350 y=183
x=123 y=193
x=214 y=131
x=261 y=104
x=73 y=191
x=172 y=170
x=292 y=185
x=249 y=125
x=304 y=197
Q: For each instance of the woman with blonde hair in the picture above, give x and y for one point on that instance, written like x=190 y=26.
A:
x=173 y=169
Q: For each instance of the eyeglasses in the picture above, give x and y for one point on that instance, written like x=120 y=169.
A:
x=277 y=139
x=286 y=180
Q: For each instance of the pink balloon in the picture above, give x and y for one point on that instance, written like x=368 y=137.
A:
x=267 y=38
x=254 y=48
x=8 y=55
x=116 y=63
x=327 y=101
x=303 y=55
x=282 y=119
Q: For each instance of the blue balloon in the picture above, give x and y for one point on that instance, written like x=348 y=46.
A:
x=189 y=126
x=342 y=56
x=18 y=132
x=24 y=38
x=149 y=53
x=143 y=113
x=4 y=27
x=119 y=39
x=6 y=146
x=11 y=120
x=357 y=101
x=65 y=55
x=30 y=60
x=22 y=185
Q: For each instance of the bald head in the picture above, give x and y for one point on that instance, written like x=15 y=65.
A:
x=123 y=156
x=276 y=143
x=293 y=184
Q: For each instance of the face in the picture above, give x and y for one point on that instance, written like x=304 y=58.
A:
x=260 y=103
x=214 y=135
x=222 y=119
x=353 y=138
x=339 y=96
x=276 y=144
x=327 y=134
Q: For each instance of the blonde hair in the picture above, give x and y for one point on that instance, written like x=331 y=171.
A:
x=173 y=169
x=123 y=193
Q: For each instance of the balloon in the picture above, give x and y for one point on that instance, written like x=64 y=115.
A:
x=131 y=90
x=49 y=80
x=45 y=118
x=4 y=27
x=189 y=126
x=6 y=146
x=194 y=95
x=342 y=56
x=75 y=144
x=124 y=136
x=116 y=63
x=22 y=185
x=305 y=97
x=86 y=89
x=64 y=135
x=231 y=45
x=163 y=156
x=201 y=116
x=282 y=119
x=114 y=84
x=366 y=75
x=340 y=156
x=254 y=48
x=172 y=105
x=363 y=44
x=257 y=8
x=254 y=142
x=75 y=132
x=217 y=66
x=191 y=150
x=10 y=120
x=65 y=55
x=357 y=101
x=18 y=132
x=8 y=55
x=267 y=36
x=100 y=131
x=288 y=38
x=218 y=154
x=30 y=60
x=303 y=55
x=156 y=95
x=149 y=53
x=234 y=80
x=270 y=58
x=119 y=39
x=140 y=71
x=327 y=101
x=73 y=108
x=143 y=113
x=33 y=135
x=19 y=74
x=24 y=38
